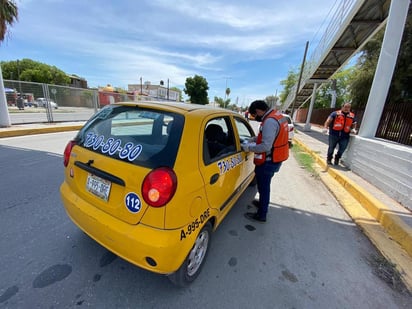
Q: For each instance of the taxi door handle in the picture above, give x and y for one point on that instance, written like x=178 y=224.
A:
x=214 y=178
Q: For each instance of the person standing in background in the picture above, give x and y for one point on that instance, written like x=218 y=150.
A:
x=340 y=124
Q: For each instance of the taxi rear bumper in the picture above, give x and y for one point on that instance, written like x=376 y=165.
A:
x=157 y=250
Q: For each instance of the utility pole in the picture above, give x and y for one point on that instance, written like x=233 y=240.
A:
x=300 y=77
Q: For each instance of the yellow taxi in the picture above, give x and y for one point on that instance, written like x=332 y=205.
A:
x=150 y=181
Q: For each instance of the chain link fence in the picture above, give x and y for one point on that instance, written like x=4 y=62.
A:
x=30 y=102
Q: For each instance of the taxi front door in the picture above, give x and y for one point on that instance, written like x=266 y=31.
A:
x=221 y=169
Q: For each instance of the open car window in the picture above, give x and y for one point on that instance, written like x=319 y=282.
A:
x=243 y=129
x=218 y=140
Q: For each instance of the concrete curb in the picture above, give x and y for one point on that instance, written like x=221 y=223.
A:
x=30 y=131
x=378 y=222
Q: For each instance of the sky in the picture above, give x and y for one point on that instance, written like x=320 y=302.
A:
x=247 y=46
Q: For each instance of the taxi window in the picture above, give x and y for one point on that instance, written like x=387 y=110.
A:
x=218 y=139
x=244 y=130
x=140 y=136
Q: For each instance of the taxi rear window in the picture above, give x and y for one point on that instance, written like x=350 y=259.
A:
x=141 y=136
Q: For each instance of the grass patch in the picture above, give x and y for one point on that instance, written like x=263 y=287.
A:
x=304 y=159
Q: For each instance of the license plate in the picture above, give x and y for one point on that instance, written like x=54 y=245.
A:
x=98 y=186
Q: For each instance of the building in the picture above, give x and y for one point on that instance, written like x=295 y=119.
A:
x=159 y=92
x=77 y=82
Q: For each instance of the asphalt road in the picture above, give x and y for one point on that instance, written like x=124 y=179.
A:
x=309 y=254
x=39 y=114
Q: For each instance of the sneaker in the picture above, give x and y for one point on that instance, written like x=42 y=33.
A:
x=254 y=217
x=336 y=162
x=329 y=162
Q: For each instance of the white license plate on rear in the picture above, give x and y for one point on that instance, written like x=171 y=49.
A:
x=98 y=186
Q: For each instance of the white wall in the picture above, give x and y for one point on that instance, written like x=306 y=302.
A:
x=386 y=165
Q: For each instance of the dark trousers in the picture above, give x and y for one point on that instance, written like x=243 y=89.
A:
x=264 y=174
x=340 y=141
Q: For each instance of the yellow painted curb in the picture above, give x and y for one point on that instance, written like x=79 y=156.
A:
x=31 y=131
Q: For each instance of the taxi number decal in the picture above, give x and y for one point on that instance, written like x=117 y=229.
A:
x=133 y=202
x=129 y=151
x=228 y=164
x=190 y=228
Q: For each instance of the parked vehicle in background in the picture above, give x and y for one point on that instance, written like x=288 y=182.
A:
x=291 y=127
x=150 y=181
x=43 y=102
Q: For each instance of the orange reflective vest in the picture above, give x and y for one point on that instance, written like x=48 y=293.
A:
x=343 y=122
x=280 y=148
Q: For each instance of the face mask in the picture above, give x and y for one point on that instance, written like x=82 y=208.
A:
x=258 y=118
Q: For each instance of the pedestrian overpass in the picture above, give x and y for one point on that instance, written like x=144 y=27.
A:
x=351 y=26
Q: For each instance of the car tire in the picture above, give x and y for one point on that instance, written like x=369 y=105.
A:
x=194 y=261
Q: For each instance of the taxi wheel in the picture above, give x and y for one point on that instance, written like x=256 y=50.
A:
x=194 y=261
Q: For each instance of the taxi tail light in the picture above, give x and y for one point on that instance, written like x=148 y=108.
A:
x=67 y=152
x=159 y=186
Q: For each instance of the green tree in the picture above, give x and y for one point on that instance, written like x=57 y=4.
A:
x=227 y=92
x=288 y=83
x=365 y=67
x=324 y=94
x=33 y=71
x=271 y=100
x=222 y=102
x=361 y=82
x=196 y=88
x=8 y=16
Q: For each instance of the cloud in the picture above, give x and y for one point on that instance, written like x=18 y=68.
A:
x=254 y=43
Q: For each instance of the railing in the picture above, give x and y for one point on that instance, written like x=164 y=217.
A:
x=69 y=103
x=396 y=123
x=343 y=12
x=73 y=104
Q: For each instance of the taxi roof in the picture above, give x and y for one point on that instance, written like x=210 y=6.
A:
x=178 y=107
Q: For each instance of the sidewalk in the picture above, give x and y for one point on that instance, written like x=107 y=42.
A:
x=386 y=223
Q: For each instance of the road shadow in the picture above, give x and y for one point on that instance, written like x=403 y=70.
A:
x=291 y=260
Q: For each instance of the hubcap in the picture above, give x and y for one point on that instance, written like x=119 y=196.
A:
x=198 y=253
